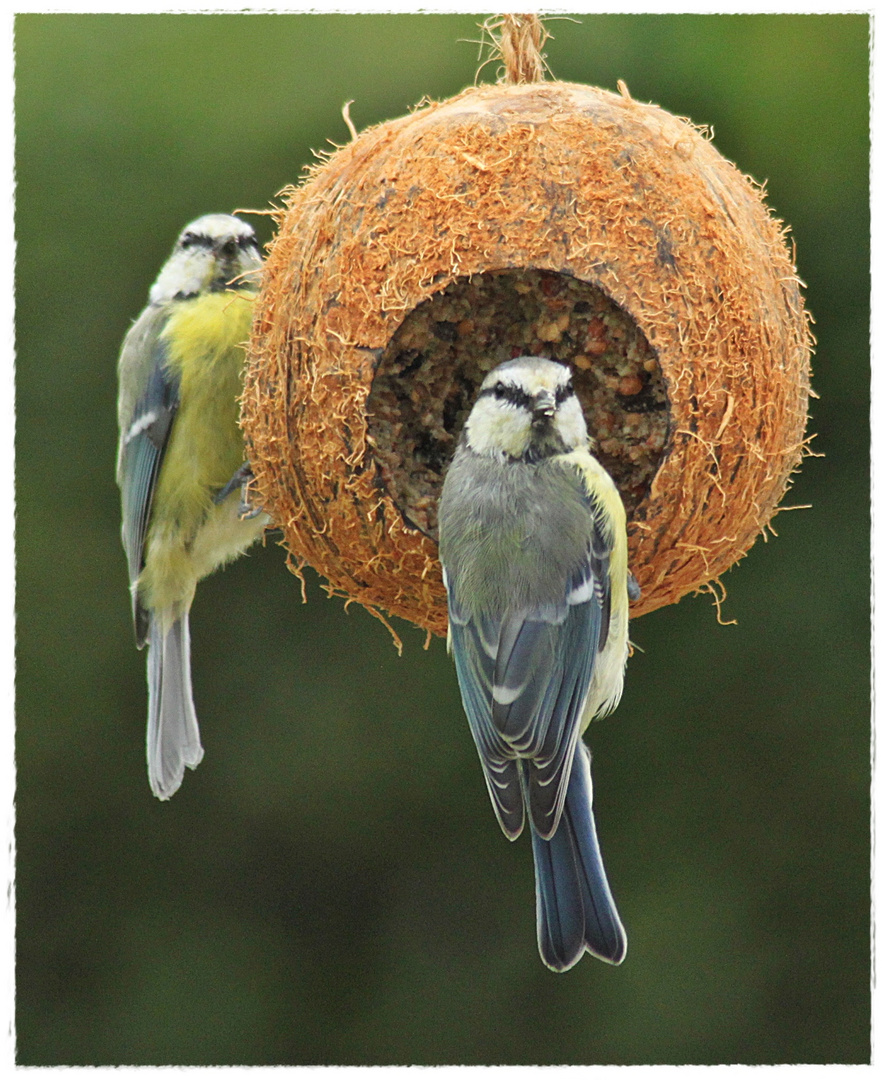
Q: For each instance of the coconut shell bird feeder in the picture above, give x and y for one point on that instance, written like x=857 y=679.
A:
x=528 y=217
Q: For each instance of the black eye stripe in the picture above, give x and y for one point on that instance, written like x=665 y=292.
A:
x=508 y=392
x=518 y=397
x=564 y=392
x=190 y=240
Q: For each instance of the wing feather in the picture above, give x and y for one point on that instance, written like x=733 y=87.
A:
x=143 y=441
x=525 y=675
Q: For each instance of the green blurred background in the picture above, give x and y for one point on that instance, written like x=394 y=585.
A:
x=330 y=886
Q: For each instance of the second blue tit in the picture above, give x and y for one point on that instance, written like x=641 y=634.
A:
x=181 y=375
x=533 y=544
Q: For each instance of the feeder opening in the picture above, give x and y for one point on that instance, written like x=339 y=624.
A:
x=427 y=378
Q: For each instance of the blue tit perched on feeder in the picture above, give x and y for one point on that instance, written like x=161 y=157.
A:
x=533 y=544
x=181 y=448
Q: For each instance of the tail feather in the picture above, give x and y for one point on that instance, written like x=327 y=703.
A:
x=173 y=734
x=575 y=909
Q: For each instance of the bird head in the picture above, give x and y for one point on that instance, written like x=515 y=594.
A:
x=526 y=410
x=214 y=253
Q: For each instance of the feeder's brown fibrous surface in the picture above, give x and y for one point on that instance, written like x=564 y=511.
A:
x=434 y=245
x=427 y=379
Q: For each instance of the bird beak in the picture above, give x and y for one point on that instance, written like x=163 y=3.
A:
x=544 y=406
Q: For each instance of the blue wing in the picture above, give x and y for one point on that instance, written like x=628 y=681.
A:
x=142 y=446
x=524 y=677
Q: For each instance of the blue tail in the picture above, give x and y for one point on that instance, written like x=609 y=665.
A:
x=575 y=909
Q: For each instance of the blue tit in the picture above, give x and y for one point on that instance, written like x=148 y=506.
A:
x=181 y=376
x=533 y=543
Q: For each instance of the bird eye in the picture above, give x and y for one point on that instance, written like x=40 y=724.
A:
x=188 y=240
x=229 y=248
x=513 y=394
x=564 y=392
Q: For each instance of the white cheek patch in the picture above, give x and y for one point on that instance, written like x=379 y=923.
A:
x=571 y=425
x=186 y=274
x=497 y=429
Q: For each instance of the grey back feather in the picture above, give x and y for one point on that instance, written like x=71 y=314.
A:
x=527 y=578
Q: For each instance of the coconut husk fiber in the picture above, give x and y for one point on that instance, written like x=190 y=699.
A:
x=548 y=218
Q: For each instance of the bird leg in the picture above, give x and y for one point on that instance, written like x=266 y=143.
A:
x=242 y=479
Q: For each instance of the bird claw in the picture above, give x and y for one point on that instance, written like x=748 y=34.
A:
x=241 y=479
x=248 y=510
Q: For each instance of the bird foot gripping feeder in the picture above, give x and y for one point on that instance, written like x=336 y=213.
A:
x=540 y=218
